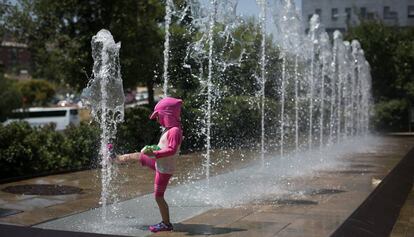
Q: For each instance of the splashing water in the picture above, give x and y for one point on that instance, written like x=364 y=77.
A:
x=336 y=75
x=105 y=96
x=326 y=56
x=207 y=62
x=262 y=5
x=168 y=13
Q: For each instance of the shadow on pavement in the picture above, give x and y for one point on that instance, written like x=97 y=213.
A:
x=200 y=229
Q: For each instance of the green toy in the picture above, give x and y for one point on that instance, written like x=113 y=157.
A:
x=150 y=148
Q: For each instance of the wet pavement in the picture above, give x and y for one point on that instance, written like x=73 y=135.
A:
x=319 y=216
x=309 y=204
x=132 y=181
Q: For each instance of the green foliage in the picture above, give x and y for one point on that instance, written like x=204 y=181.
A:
x=36 y=92
x=11 y=97
x=238 y=120
x=181 y=80
x=27 y=151
x=237 y=83
x=136 y=131
x=59 y=33
x=379 y=43
x=235 y=122
x=390 y=52
x=82 y=144
x=190 y=120
x=391 y=115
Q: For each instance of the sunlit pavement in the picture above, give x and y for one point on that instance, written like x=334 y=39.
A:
x=404 y=227
x=312 y=204
x=132 y=181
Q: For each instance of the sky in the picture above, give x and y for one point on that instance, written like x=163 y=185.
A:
x=250 y=7
x=245 y=7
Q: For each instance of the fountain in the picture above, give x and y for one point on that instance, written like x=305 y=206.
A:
x=105 y=96
x=325 y=56
x=290 y=40
x=313 y=33
x=262 y=4
x=323 y=90
x=334 y=88
x=206 y=55
x=168 y=13
x=346 y=95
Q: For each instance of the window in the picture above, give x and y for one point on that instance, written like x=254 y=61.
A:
x=73 y=112
x=334 y=15
x=319 y=12
x=38 y=114
x=370 y=16
x=363 y=12
x=348 y=13
x=410 y=11
x=386 y=11
x=388 y=14
x=13 y=56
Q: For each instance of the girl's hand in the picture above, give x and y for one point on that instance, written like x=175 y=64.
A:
x=149 y=153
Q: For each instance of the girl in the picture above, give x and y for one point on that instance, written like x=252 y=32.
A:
x=167 y=113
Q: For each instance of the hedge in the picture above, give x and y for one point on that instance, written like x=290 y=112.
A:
x=26 y=150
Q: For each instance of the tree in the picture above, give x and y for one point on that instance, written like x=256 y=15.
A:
x=390 y=52
x=36 y=92
x=59 y=33
x=136 y=24
x=10 y=96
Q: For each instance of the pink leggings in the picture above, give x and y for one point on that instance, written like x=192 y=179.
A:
x=161 y=180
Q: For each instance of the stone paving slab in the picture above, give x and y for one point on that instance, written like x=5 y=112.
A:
x=377 y=215
x=131 y=217
x=318 y=219
x=311 y=220
x=132 y=181
x=404 y=226
x=31 y=203
x=224 y=211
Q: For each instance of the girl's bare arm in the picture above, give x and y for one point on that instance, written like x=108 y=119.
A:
x=125 y=158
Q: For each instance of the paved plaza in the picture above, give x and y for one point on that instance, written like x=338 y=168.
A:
x=294 y=197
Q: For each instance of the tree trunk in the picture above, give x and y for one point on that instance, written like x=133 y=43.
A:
x=150 y=88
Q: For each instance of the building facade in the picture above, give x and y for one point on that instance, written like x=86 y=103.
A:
x=15 y=59
x=340 y=14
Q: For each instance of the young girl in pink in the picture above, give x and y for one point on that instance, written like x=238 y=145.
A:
x=163 y=162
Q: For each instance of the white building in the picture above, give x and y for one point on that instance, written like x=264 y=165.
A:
x=339 y=14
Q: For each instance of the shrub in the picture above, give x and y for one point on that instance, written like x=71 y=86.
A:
x=137 y=130
x=27 y=151
x=11 y=97
x=82 y=145
x=237 y=122
x=190 y=120
x=391 y=115
x=36 y=92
